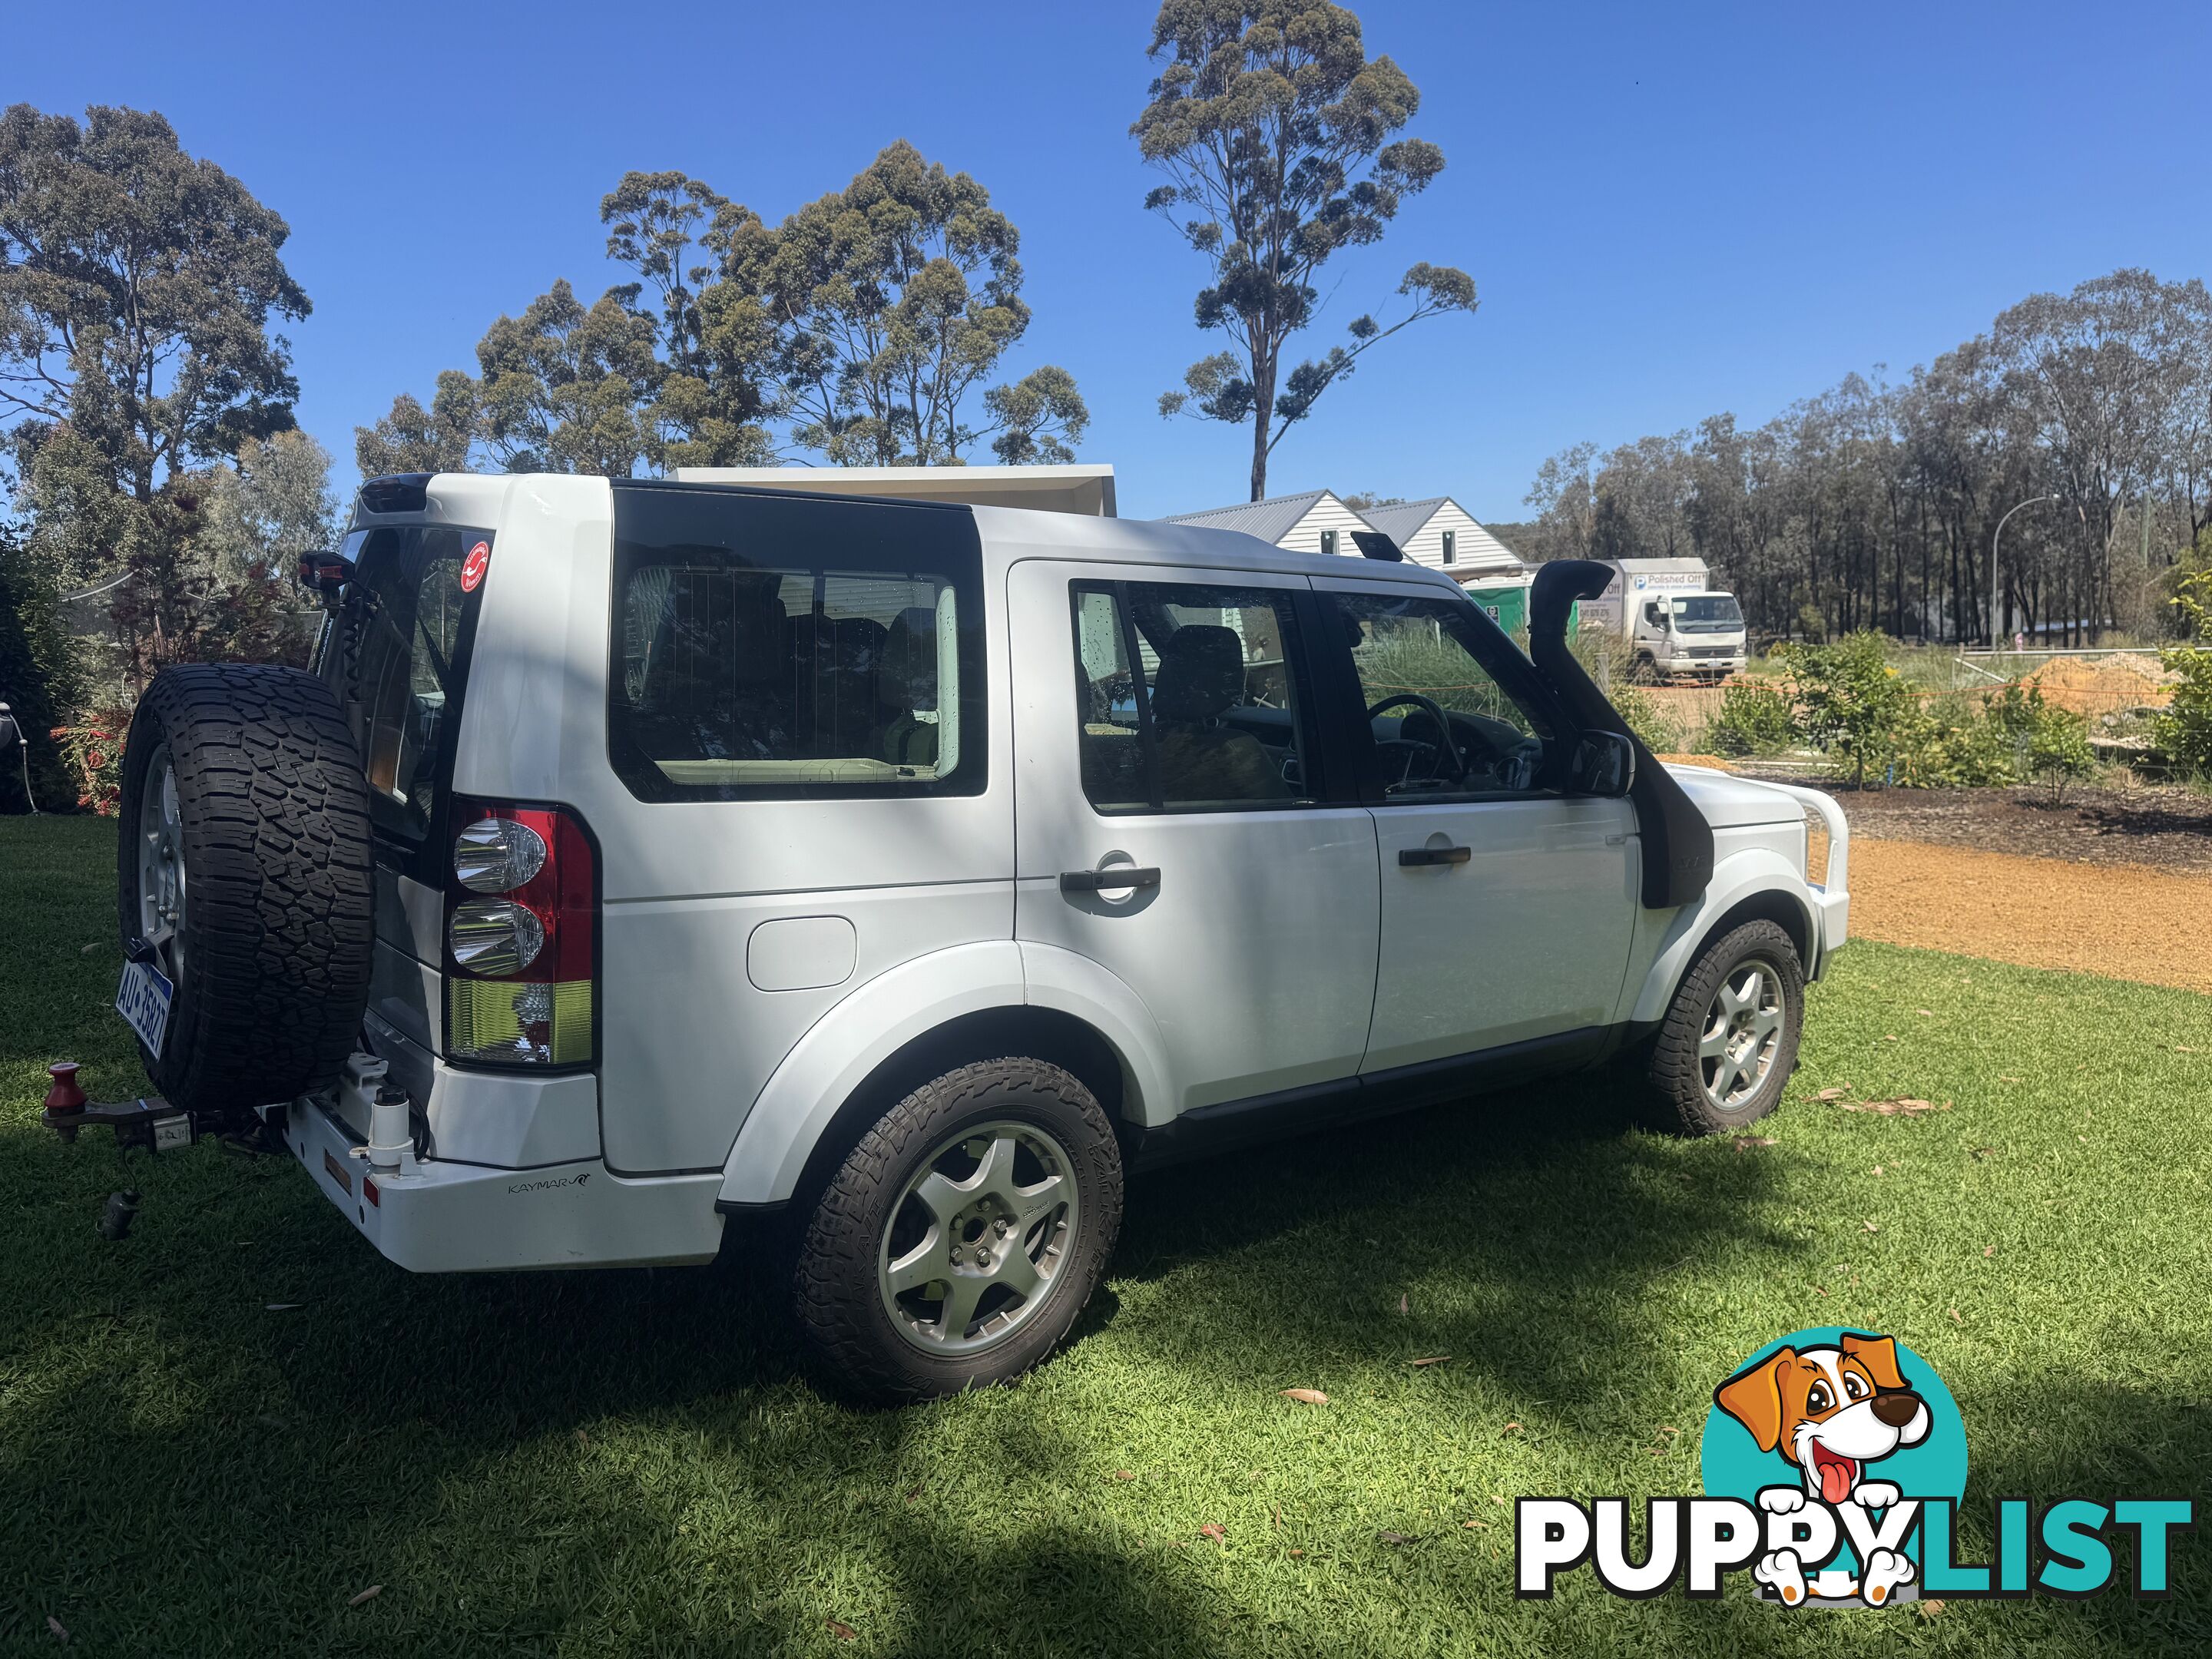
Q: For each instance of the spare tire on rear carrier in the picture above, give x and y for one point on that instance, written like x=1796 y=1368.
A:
x=244 y=866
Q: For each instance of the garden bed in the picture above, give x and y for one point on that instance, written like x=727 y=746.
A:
x=2167 y=828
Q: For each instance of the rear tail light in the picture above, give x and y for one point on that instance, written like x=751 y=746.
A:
x=521 y=937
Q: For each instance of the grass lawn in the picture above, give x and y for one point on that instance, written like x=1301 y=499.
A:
x=629 y=1462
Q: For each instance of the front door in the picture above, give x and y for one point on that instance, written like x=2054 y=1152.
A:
x=1507 y=902
x=1172 y=824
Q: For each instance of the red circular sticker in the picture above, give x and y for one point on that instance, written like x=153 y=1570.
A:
x=473 y=567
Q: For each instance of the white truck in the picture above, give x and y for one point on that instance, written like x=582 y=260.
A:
x=1677 y=622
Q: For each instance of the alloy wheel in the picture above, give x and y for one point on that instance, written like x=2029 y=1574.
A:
x=976 y=1241
x=1742 y=1034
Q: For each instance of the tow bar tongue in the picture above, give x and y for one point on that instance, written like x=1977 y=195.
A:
x=152 y=1123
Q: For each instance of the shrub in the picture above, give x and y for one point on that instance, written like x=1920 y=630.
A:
x=1850 y=702
x=1753 y=720
x=2045 y=742
x=94 y=754
x=1948 y=744
x=2182 y=729
x=1653 y=729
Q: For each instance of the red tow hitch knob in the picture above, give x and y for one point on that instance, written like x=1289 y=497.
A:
x=64 y=1098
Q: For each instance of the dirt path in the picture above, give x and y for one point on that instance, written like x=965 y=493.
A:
x=2126 y=921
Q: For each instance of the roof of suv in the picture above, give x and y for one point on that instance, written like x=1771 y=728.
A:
x=1008 y=533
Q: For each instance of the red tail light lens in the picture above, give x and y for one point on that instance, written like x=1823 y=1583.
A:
x=521 y=937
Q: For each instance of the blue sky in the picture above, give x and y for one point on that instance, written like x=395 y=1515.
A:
x=1668 y=210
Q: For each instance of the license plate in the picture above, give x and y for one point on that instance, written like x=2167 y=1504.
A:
x=144 y=1000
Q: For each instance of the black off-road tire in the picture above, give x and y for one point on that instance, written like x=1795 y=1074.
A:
x=279 y=931
x=1676 y=1071
x=846 y=1331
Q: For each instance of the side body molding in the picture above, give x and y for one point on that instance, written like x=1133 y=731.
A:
x=1735 y=878
x=846 y=1044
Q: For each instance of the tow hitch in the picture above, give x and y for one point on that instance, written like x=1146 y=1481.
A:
x=154 y=1124
x=148 y=1121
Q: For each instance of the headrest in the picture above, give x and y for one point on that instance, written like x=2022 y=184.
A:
x=909 y=671
x=1201 y=673
x=757 y=647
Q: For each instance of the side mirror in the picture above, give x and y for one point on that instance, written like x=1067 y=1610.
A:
x=1604 y=765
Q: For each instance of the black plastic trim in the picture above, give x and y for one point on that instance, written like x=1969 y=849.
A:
x=1207 y=1129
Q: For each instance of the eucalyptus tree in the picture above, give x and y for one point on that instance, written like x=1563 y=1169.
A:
x=563 y=386
x=409 y=438
x=1274 y=129
x=882 y=308
x=137 y=285
x=706 y=405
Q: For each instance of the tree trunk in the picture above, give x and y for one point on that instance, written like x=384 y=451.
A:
x=1263 y=402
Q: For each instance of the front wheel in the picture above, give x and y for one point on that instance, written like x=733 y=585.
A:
x=960 y=1239
x=1730 y=1039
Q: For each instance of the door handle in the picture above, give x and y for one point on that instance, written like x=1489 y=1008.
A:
x=1412 y=855
x=1114 y=876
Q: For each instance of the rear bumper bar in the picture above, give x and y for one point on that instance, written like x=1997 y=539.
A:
x=436 y=1216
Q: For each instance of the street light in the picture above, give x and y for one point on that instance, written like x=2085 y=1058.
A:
x=1995 y=537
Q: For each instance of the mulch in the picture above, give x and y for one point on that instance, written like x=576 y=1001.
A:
x=2166 y=828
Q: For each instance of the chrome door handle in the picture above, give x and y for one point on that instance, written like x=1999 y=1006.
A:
x=1114 y=876
x=1412 y=855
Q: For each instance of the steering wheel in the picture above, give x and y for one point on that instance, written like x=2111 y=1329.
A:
x=1437 y=750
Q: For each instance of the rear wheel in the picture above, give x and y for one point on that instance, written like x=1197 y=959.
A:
x=243 y=865
x=1729 y=1040
x=963 y=1236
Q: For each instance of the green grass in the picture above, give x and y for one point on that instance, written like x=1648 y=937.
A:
x=630 y=1463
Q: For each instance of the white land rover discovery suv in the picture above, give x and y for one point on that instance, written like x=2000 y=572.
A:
x=638 y=855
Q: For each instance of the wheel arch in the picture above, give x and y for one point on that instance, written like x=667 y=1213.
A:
x=1759 y=886
x=878 y=1046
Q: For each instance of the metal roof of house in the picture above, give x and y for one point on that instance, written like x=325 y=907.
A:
x=1402 y=520
x=1270 y=519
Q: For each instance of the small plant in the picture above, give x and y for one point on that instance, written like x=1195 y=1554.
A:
x=1947 y=744
x=2049 y=743
x=1653 y=729
x=1753 y=720
x=93 y=750
x=2182 y=729
x=1850 y=702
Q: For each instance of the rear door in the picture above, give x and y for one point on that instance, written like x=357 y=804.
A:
x=396 y=654
x=1506 y=902
x=1173 y=823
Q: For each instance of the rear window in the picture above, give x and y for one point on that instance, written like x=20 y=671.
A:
x=396 y=657
x=769 y=647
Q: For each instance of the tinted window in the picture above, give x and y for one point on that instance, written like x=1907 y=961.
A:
x=1421 y=659
x=767 y=648
x=397 y=656
x=1186 y=699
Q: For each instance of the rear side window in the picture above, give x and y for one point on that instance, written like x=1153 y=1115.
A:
x=1186 y=698
x=767 y=647
x=396 y=658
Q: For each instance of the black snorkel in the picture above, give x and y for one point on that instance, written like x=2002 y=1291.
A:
x=1676 y=837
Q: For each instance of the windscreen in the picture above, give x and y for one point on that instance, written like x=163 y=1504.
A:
x=396 y=657
x=1708 y=613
